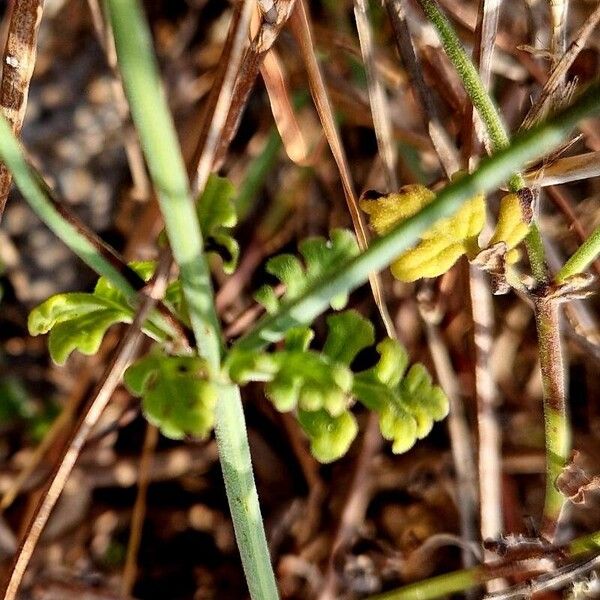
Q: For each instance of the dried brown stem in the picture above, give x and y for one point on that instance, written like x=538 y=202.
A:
x=18 y=62
x=557 y=75
x=460 y=436
x=445 y=149
x=133 y=151
x=235 y=80
x=139 y=511
x=482 y=311
x=300 y=25
x=380 y=109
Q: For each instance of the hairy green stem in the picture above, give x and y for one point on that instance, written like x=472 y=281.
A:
x=490 y=116
x=382 y=251
x=468 y=74
x=556 y=422
x=582 y=258
x=159 y=142
x=242 y=496
x=555 y=414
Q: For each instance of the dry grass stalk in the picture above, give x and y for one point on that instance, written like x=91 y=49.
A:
x=300 y=24
x=444 y=147
x=380 y=109
x=211 y=138
x=458 y=427
x=564 y=170
x=556 y=79
x=18 y=62
x=135 y=158
x=139 y=511
x=482 y=311
x=239 y=67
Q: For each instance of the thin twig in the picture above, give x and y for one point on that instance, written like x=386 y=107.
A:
x=139 y=511
x=133 y=151
x=18 y=62
x=460 y=437
x=489 y=433
x=558 y=17
x=300 y=25
x=482 y=311
x=443 y=145
x=235 y=80
x=380 y=109
x=557 y=579
x=110 y=380
x=560 y=69
x=208 y=151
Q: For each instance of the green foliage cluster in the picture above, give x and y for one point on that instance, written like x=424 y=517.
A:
x=319 y=386
x=322 y=386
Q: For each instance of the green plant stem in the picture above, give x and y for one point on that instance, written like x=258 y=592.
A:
x=492 y=171
x=160 y=145
x=13 y=157
x=582 y=258
x=468 y=74
x=536 y=253
x=489 y=115
x=436 y=587
x=555 y=413
x=242 y=496
x=556 y=422
x=161 y=148
x=459 y=581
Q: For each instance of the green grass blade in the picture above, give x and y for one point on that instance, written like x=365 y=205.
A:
x=491 y=173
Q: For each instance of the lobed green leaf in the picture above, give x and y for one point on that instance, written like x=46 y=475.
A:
x=319 y=257
x=176 y=395
x=217 y=215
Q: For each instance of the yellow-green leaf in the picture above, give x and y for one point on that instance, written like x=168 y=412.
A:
x=512 y=227
x=441 y=245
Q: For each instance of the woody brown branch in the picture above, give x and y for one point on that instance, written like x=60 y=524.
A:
x=18 y=62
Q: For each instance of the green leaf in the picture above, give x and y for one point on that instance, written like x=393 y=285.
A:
x=441 y=245
x=349 y=333
x=216 y=214
x=176 y=396
x=408 y=405
x=319 y=256
x=297 y=376
x=322 y=386
x=79 y=321
x=76 y=321
x=330 y=437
